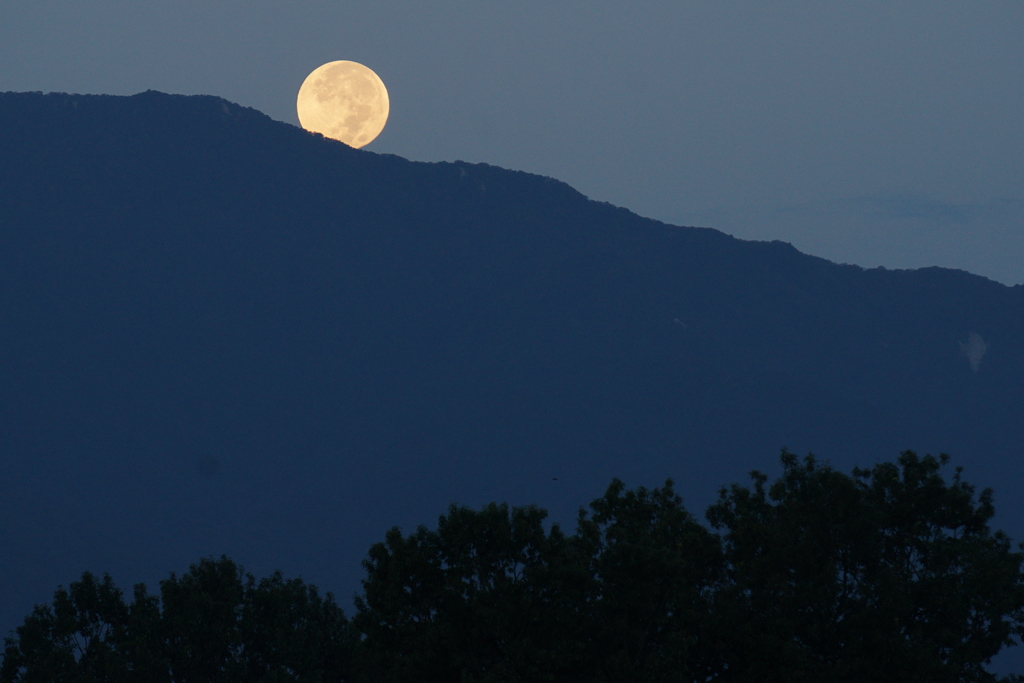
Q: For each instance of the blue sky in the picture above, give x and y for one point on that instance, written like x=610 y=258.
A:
x=874 y=133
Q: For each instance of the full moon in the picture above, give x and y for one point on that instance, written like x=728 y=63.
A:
x=345 y=101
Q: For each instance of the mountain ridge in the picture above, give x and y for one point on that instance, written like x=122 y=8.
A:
x=233 y=110
x=355 y=340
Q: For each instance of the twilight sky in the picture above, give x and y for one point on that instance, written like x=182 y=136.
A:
x=874 y=133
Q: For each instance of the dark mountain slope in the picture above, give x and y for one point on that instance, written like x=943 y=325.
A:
x=220 y=333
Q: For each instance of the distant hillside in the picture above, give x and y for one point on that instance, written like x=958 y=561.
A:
x=222 y=334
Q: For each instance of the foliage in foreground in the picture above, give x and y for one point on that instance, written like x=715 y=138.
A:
x=214 y=623
x=887 y=574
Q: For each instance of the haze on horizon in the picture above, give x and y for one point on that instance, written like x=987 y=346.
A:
x=873 y=133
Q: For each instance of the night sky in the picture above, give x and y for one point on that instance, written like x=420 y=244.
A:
x=870 y=133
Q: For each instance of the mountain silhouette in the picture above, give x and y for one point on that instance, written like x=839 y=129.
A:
x=220 y=333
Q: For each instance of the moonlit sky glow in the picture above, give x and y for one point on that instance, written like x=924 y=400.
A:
x=875 y=133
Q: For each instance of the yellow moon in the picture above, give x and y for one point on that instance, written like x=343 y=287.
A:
x=345 y=101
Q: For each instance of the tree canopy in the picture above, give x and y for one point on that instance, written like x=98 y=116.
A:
x=890 y=574
x=886 y=574
x=215 y=623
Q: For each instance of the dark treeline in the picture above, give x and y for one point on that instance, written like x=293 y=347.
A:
x=887 y=574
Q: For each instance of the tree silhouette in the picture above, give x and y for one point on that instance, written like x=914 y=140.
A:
x=653 y=568
x=213 y=624
x=891 y=574
x=887 y=574
x=489 y=596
